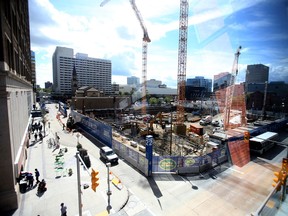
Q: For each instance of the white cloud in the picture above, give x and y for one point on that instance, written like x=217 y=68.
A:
x=113 y=31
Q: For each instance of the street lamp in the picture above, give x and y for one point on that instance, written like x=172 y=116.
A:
x=109 y=192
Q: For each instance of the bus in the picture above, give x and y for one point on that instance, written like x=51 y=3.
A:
x=262 y=142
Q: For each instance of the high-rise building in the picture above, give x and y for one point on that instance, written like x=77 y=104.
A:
x=257 y=73
x=16 y=91
x=91 y=72
x=153 y=83
x=48 y=84
x=200 y=81
x=33 y=70
x=221 y=81
x=133 y=81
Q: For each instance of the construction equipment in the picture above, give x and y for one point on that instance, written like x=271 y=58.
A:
x=182 y=59
x=264 y=102
x=145 y=42
x=230 y=91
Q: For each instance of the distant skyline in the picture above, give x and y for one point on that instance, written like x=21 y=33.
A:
x=216 y=29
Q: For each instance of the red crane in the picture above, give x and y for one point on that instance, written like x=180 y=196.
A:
x=230 y=91
x=182 y=59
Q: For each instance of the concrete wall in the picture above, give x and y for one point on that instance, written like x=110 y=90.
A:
x=15 y=106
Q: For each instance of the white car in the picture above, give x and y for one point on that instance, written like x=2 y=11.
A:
x=108 y=155
x=215 y=123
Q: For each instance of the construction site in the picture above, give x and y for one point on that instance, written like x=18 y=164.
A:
x=176 y=131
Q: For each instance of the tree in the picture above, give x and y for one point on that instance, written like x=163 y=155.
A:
x=153 y=101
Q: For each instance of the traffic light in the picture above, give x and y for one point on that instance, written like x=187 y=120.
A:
x=285 y=164
x=283 y=177
x=246 y=136
x=277 y=180
x=94 y=179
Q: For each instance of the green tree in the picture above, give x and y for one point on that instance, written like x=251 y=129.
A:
x=168 y=99
x=153 y=101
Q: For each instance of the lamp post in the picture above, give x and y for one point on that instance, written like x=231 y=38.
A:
x=109 y=192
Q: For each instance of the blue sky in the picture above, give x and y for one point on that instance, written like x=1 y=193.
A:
x=216 y=29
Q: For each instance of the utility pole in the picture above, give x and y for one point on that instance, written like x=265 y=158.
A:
x=109 y=192
x=79 y=184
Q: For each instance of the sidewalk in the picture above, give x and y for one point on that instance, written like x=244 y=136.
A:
x=60 y=186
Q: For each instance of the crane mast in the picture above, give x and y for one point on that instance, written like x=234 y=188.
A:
x=182 y=59
x=230 y=90
x=145 y=42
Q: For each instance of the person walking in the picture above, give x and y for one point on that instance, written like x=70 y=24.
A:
x=35 y=136
x=37 y=174
x=30 y=179
x=63 y=210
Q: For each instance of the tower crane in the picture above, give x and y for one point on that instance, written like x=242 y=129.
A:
x=230 y=91
x=182 y=59
x=145 y=42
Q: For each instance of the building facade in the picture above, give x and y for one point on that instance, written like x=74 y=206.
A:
x=16 y=98
x=92 y=72
x=48 y=85
x=133 y=81
x=153 y=83
x=221 y=81
x=33 y=70
x=200 y=81
x=276 y=96
x=257 y=73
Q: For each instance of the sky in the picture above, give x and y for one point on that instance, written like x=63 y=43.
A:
x=216 y=29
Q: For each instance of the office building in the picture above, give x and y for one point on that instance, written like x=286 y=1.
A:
x=48 y=85
x=257 y=73
x=33 y=70
x=91 y=72
x=221 y=81
x=133 y=81
x=153 y=83
x=200 y=81
x=16 y=91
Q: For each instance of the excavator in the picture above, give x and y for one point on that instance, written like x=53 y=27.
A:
x=149 y=130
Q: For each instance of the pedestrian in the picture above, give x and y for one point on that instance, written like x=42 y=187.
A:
x=30 y=179
x=63 y=210
x=37 y=174
x=40 y=136
x=35 y=136
x=40 y=127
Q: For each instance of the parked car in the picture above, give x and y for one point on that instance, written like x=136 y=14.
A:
x=108 y=155
x=203 y=122
x=216 y=123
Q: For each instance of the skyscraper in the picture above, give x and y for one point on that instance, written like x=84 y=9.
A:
x=91 y=72
x=257 y=73
x=16 y=91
